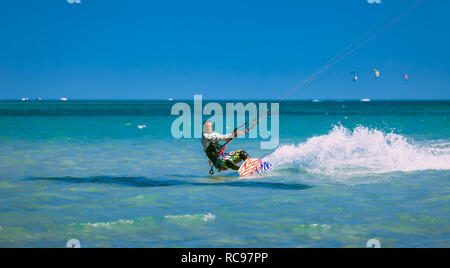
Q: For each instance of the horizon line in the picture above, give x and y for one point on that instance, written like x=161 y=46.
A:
x=211 y=99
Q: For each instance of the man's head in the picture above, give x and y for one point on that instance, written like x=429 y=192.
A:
x=207 y=127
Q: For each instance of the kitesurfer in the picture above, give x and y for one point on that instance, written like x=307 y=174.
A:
x=210 y=142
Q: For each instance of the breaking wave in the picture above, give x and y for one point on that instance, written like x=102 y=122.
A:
x=361 y=151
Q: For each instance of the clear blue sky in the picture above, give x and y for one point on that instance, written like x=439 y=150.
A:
x=235 y=49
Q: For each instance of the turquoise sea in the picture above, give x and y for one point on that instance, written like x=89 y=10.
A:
x=110 y=174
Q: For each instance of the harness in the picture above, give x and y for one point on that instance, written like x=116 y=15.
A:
x=214 y=151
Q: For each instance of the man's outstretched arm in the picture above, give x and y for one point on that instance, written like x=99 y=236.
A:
x=218 y=137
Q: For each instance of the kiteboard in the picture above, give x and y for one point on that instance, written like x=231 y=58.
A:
x=254 y=166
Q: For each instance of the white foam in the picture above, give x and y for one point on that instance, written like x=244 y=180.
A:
x=209 y=217
x=361 y=151
x=205 y=217
x=109 y=225
x=317 y=226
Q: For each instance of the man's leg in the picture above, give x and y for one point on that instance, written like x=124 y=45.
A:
x=231 y=164
x=235 y=158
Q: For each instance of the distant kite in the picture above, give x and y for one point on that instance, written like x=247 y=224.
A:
x=355 y=76
x=377 y=73
x=406 y=77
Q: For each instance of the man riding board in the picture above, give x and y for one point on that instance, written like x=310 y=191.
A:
x=210 y=142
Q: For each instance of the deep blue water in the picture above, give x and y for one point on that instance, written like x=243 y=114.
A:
x=344 y=173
